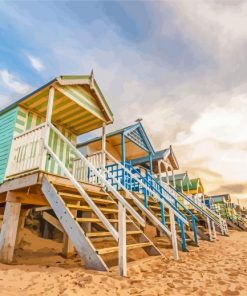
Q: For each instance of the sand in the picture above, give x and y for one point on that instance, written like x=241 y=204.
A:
x=213 y=269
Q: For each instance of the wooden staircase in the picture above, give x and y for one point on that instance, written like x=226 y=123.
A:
x=155 y=208
x=88 y=234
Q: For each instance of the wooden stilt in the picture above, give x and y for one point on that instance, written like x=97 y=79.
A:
x=214 y=231
x=68 y=247
x=209 y=229
x=174 y=237
x=122 y=250
x=21 y=225
x=9 y=231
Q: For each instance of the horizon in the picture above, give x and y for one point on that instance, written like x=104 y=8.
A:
x=188 y=72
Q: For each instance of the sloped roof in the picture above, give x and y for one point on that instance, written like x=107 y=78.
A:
x=90 y=107
x=195 y=184
x=163 y=154
x=127 y=131
x=180 y=177
x=222 y=197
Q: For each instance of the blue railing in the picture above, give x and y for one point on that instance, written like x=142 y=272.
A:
x=177 y=203
x=132 y=184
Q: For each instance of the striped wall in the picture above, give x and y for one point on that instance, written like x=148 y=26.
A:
x=27 y=120
x=7 y=126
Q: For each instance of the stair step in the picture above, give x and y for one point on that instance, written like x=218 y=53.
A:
x=129 y=247
x=70 y=188
x=100 y=234
x=88 y=209
x=188 y=240
x=73 y=196
x=96 y=220
x=154 y=207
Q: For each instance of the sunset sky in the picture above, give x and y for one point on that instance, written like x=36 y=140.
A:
x=179 y=65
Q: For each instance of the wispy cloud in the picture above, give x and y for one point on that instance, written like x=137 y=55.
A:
x=36 y=63
x=12 y=83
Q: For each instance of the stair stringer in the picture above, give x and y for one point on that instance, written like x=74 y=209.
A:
x=142 y=238
x=179 y=242
x=82 y=244
x=233 y=225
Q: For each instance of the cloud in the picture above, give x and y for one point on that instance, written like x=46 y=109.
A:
x=36 y=63
x=4 y=101
x=237 y=188
x=186 y=78
x=12 y=83
x=220 y=123
x=216 y=142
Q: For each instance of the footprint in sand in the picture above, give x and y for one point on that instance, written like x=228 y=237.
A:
x=231 y=293
x=222 y=283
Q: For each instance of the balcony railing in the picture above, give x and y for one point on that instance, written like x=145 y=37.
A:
x=27 y=152
x=83 y=173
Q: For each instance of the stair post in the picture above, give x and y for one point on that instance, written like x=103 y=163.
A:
x=209 y=229
x=122 y=250
x=174 y=236
x=214 y=231
x=181 y=224
x=194 y=231
x=103 y=144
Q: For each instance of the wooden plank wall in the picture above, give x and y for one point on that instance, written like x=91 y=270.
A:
x=7 y=125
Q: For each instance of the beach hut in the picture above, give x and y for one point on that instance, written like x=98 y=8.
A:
x=125 y=144
x=180 y=181
x=163 y=162
x=195 y=187
x=222 y=204
x=40 y=166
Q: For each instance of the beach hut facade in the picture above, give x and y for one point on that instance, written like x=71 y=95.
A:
x=76 y=109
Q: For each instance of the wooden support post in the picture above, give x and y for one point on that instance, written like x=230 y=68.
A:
x=103 y=147
x=159 y=171
x=173 y=179
x=68 y=247
x=50 y=104
x=167 y=176
x=151 y=163
x=21 y=225
x=122 y=249
x=47 y=129
x=174 y=236
x=209 y=229
x=87 y=226
x=9 y=231
x=123 y=157
x=214 y=231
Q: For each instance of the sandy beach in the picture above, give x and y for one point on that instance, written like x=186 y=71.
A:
x=213 y=269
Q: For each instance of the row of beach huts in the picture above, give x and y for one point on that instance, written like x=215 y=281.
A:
x=109 y=196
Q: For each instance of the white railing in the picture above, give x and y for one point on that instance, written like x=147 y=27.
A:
x=202 y=208
x=81 y=170
x=26 y=152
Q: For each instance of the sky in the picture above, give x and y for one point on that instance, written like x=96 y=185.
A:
x=179 y=65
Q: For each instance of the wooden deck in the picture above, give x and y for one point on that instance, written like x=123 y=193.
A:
x=27 y=188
